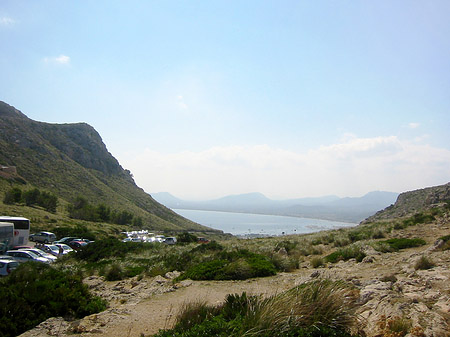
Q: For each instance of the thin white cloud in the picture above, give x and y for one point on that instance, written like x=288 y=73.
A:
x=351 y=168
x=181 y=103
x=6 y=21
x=413 y=125
x=61 y=59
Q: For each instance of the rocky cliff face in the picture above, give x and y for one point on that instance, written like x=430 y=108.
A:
x=409 y=203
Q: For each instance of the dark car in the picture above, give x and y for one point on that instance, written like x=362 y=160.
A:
x=76 y=244
x=66 y=240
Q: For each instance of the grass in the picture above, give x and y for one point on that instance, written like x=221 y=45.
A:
x=317 y=262
x=318 y=308
x=424 y=263
x=446 y=245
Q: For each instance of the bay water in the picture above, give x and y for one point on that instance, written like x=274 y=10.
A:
x=245 y=224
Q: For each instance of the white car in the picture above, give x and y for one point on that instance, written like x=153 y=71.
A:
x=7 y=266
x=43 y=254
x=24 y=256
x=66 y=249
x=51 y=249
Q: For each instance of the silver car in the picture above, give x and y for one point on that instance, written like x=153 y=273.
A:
x=25 y=256
x=43 y=254
x=7 y=266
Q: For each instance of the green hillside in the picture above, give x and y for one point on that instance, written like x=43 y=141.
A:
x=71 y=160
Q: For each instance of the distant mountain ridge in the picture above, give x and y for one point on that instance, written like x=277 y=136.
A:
x=71 y=160
x=327 y=207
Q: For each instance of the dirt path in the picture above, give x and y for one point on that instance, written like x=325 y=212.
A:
x=158 y=311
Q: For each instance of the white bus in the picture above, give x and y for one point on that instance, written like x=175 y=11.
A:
x=21 y=229
x=6 y=236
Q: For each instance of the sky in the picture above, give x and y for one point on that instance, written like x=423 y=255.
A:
x=204 y=99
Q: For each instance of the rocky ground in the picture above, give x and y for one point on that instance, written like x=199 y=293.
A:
x=390 y=289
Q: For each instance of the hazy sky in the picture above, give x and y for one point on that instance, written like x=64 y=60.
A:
x=208 y=98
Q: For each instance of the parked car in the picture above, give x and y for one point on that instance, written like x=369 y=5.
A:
x=170 y=240
x=66 y=240
x=7 y=266
x=21 y=247
x=25 y=256
x=76 y=244
x=53 y=249
x=43 y=254
x=202 y=240
x=43 y=237
x=66 y=249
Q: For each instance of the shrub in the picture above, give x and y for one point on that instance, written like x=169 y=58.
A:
x=235 y=265
x=186 y=238
x=115 y=273
x=205 y=270
x=345 y=254
x=210 y=246
x=424 y=263
x=316 y=262
x=446 y=240
x=418 y=218
x=13 y=196
x=389 y=278
x=193 y=313
x=395 y=326
x=396 y=244
x=288 y=245
x=110 y=247
x=284 y=263
x=35 y=292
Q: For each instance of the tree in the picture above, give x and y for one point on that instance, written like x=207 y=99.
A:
x=13 y=196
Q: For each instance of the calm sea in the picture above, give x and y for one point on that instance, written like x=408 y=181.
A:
x=259 y=224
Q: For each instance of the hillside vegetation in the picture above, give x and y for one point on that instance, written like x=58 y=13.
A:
x=71 y=160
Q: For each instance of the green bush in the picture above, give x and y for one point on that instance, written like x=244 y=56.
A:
x=210 y=246
x=345 y=254
x=35 y=292
x=235 y=265
x=285 y=263
x=396 y=244
x=115 y=273
x=205 y=270
x=186 y=237
x=418 y=218
x=446 y=240
x=110 y=247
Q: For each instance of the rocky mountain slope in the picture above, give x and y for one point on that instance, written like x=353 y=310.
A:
x=71 y=160
x=412 y=202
